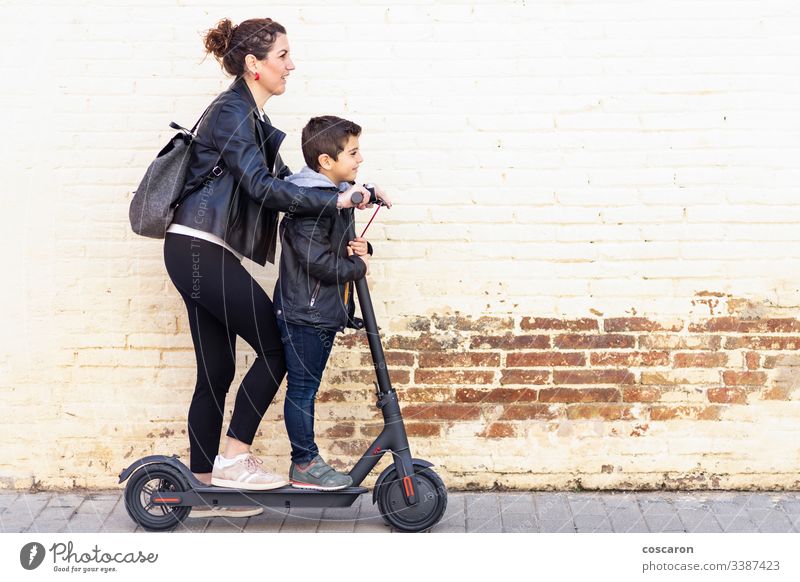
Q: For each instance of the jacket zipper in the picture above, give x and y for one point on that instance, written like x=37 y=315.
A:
x=314 y=294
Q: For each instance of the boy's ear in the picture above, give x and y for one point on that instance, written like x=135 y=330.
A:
x=325 y=161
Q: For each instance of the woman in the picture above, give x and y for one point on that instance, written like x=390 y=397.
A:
x=235 y=191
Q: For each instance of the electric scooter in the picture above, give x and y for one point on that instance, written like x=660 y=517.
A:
x=411 y=497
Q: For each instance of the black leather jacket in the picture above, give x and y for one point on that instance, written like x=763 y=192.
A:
x=315 y=283
x=235 y=179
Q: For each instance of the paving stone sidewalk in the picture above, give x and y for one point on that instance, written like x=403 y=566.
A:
x=512 y=512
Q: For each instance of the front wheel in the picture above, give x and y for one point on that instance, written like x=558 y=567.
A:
x=431 y=494
x=157 y=477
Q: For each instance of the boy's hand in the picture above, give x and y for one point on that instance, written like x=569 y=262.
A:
x=359 y=246
x=363 y=257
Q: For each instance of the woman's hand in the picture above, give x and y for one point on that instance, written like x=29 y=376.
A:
x=344 y=198
x=359 y=246
x=382 y=195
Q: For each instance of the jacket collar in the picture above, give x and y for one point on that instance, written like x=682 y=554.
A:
x=267 y=134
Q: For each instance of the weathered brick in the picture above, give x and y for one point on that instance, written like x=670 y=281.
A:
x=484 y=324
x=441 y=412
x=663 y=412
x=701 y=360
x=367 y=376
x=679 y=342
x=340 y=430
x=641 y=394
x=533 y=359
x=594 y=342
x=461 y=360
x=416 y=394
x=752 y=360
x=423 y=429
x=630 y=359
x=392 y=358
x=681 y=376
x=579 y=395
x=599 y=411
x=544 y=323
x=499 y=430
x=522 y=376
x=424 y=341
x=593 y=377
x=727 y=395
x=511 y=342
x=496 y=395
x=617 y=324
x=760 y=342
x=454 y=376
x=736 y=325
x=528 y=412
x=733 y=378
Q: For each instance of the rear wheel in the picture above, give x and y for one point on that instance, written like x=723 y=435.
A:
x=431 y=494
x=158 y=477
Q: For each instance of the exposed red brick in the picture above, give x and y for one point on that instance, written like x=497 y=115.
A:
x=559 y=324
x=727 y=395
x=593 y=377
x=522 y=376
x=392 y=358
x=485 y=324
x=594 y=342
x=353 y=340
x=684 y=412
x=441 y=412
x=533 y=359
x=752 y=360
x=599 y=411
x=528 y=412
x=615 y=324
x=461 y=360
x=454 y=376
x=736 y=325
x=371 y=430
x=423 y=429
x=640 y=394
x=327 y=394
x=579 y=395
x=701 y=360
x=496 y=395
x=733 y=378
x=498 y=430
x=511 y=342
x=760 y=342
x=340 y=430
x=629 y=359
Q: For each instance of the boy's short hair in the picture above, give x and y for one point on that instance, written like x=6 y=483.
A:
x=326 y=134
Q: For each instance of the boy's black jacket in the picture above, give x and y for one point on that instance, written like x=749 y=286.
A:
x=315 y=282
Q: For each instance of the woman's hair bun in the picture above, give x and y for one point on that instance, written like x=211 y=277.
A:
x=217 y=40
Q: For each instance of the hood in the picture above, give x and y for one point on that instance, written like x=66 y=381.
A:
x=308 y=178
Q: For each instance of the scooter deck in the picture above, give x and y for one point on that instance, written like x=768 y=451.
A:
x=286 y=496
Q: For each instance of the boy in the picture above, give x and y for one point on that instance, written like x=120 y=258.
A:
x=313 y=300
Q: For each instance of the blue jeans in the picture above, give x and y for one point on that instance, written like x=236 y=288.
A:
x=307 y=350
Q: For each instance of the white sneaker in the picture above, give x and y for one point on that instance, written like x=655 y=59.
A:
x=244 y=472
x=216 y=511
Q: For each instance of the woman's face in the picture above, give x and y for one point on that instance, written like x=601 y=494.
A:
x=275 y=67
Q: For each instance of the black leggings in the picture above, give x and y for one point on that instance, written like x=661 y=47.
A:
x=224 y=301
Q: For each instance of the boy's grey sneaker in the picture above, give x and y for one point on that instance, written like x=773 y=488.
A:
x=318 y=475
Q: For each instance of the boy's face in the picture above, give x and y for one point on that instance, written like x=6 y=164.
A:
x=345 y=167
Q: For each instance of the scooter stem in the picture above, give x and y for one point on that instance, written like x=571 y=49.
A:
x=373 y=336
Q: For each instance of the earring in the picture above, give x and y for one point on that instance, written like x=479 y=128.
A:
x=257 y=77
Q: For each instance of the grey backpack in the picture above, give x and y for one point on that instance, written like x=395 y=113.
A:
x=154 y=201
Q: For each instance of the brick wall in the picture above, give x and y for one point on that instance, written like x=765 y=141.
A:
x=589 y=278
